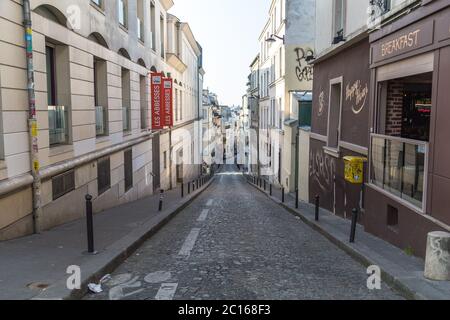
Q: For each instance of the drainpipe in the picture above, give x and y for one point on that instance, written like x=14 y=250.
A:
x=32 y=119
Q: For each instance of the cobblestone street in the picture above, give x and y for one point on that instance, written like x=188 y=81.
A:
x=234 y=243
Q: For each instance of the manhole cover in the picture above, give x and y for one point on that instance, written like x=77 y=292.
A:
x=38 y=286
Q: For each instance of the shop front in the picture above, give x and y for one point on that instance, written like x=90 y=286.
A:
x=408 y=189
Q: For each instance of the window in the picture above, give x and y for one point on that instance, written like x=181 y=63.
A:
x=280 y=113
x=153 y=25
x=126 y=100
x=98 y=3
x=400 y=147
x=162 y=36
x=128 y=167
x=103 y=175
x=123 y=12
x=144 y=101
x=57 y=114
x=176 y=104
x=334 y=113
x=140 y=20
x=165 y=160
x=339 y=17
x=63 y=184
x=100 y=96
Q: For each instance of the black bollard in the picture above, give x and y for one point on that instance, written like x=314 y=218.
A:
x=282 y=194
x=161 y=198
x=90 y=224
x=182 y=190
x=189 y=187
x=317 y=208
x=264 y=185
x=296 y=198
x=354 y=223
x=270 y=189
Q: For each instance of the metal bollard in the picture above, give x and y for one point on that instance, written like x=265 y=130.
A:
x=270 y=189
x=182 y=190
x=354 y=223
x=282 y=194
x=317 y=208
x=189 y=187
x=161 y=198
x=296 y=198
x=264 y=185
x=90 y=224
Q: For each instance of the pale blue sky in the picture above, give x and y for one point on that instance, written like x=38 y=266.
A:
x=228 y=31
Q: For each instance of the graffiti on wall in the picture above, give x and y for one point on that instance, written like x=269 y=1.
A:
x=321 y=103
x=357 y=94
x=303 y=70
x=322 y=169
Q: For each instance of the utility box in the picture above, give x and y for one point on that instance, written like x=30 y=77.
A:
x=354 y=169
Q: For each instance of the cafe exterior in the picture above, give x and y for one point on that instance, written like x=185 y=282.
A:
x=407 y=193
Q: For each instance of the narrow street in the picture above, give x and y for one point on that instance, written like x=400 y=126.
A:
x=235 y=243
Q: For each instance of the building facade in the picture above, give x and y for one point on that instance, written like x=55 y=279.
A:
x=91 y=63
x=287 y=43
x=383 y=110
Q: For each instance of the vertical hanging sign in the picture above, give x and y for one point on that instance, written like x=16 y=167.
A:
x=167 y=104
x=157 y=101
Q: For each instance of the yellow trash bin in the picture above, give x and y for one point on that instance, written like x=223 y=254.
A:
x=354 y=169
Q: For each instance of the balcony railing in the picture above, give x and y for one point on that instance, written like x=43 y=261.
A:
x=399 y=167
x=100 y=121
x=58 y=125
x=126 y=119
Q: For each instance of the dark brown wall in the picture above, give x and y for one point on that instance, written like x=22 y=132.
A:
x=412 y=229
x=353 y=65
x=440 y=193
x=327 y=179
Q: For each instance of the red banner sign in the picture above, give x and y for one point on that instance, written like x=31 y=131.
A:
x=157 y=101
x=168 y=105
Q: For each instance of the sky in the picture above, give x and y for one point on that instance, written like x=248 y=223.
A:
x=228 y=31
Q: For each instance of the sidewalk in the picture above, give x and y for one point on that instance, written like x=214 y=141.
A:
x=402 y=272
x=34 y=267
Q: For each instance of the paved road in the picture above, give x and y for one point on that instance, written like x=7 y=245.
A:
x=234 y=243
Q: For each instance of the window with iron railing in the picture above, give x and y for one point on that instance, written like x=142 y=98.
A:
x=126 y=118
x=58 y=125
x=100 y=121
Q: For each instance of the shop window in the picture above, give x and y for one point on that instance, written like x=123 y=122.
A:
x=63 y=184
x=400 y=147
x=128 y=167
x=104 y=175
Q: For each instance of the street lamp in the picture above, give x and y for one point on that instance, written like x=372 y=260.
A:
x=274 y=37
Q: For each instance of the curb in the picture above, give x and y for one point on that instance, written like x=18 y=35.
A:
x=393 y=281
x=114 y=255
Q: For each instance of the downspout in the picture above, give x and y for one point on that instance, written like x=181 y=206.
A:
x=32 y=119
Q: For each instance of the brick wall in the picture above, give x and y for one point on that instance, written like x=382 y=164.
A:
x=394 y=108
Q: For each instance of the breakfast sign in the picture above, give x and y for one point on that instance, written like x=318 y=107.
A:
x=404 y=41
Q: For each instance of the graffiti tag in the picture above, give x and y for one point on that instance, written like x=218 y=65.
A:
x=322 y=170
x=303 y=70
x=357 y=93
